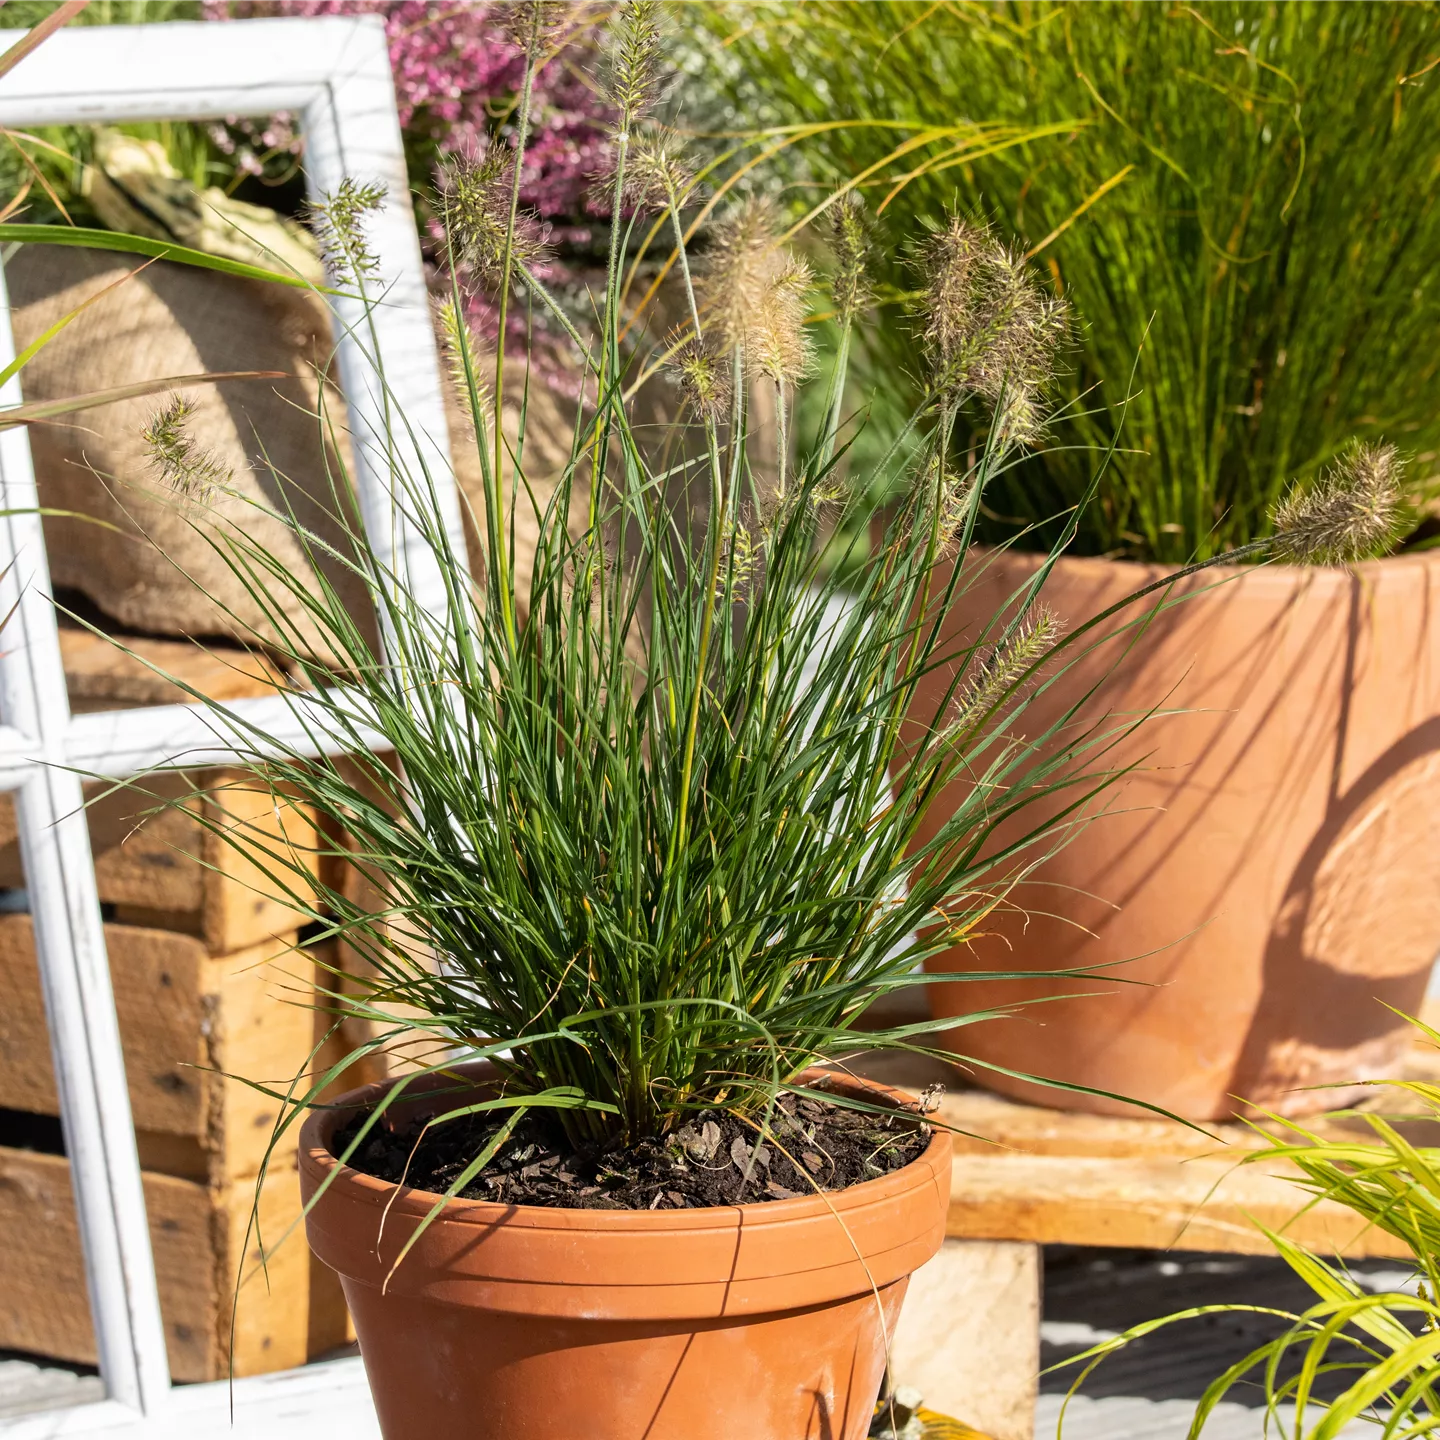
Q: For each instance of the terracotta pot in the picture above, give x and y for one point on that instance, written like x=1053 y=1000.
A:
x=1270 y=867
x=531 y=1323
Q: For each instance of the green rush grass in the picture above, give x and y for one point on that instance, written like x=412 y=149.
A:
x=647 y=829
x=1247 y=195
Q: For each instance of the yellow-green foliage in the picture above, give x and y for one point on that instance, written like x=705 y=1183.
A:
x=1384 y=1347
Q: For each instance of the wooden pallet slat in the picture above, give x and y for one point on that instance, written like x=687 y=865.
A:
x=185 y=1017
x=1155 y=1203
x=197 y=1234
x=166 y=867
x=1025 y=1173
x=238 y=903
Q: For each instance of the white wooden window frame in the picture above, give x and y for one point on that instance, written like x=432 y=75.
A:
x=335 y=74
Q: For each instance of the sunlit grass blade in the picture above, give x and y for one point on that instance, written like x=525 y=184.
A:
x=38 y=410
x=80 y=237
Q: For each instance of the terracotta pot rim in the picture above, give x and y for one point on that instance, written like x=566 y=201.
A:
x=317 y=1158
x=716 y=1262
x=1277 y=575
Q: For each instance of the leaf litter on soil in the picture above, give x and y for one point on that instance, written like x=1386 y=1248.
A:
x=715 y=1158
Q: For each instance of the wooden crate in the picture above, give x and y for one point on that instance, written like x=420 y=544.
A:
x=209 y=987
x=366 y=890
x=197 y=1233
x=184 y=1015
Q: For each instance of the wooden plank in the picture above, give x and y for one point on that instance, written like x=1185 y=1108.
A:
x=100 y=675
x=991 y=1121
x=968 y=1338
x=331 y=1398
x=366 y=890
x=184 y=1015
x=242 y=904
x=197 y=1234
x=1147 y=1203
x=1027 y=1173
x=167 y=868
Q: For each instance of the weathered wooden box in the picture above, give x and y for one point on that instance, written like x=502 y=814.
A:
x=211 y=984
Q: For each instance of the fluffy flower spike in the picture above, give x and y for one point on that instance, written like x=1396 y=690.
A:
x=780 y=344
x=991 y=329
x=181 y=465
x=634 y=79
x=850 y=240
x=532 y=24
x=1006 y=667
x=459 y=343
x=704 y=379
x=758 y=294
x=474 y=198
x=1352 y=511
x=740 y=263
x=339 y=223
x=659 y=174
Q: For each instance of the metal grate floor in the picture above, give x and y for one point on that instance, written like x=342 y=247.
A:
x=1148 y=1391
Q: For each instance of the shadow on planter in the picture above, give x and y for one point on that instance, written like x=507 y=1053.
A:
x=1265 y=871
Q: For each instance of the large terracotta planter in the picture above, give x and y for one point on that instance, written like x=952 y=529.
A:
x=528 y=1323
x=1269 y=869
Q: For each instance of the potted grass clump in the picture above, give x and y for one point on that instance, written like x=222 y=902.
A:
x=1225 y=193
x=648 y=840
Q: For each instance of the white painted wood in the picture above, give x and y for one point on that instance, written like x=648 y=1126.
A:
x=351 y=129
x=1121 y=1418
x=74 y=973
x=319 y=1401
x=117 y=744
x=335 y=72
x=95 y=75
x=15 y=762
x=28 y=1385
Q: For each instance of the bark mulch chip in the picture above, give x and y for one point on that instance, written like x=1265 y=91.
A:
x=715 y=1158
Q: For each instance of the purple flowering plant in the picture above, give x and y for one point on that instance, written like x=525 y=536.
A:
x=458 y=73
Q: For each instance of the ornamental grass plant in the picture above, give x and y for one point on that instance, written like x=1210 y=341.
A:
x=1243 y=193
x=644 y=834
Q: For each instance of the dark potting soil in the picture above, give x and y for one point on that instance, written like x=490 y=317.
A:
x=714 y=1159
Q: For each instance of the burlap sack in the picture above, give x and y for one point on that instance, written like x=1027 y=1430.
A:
x=154 y=571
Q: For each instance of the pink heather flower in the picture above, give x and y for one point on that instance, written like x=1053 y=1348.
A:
x=456 y=74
